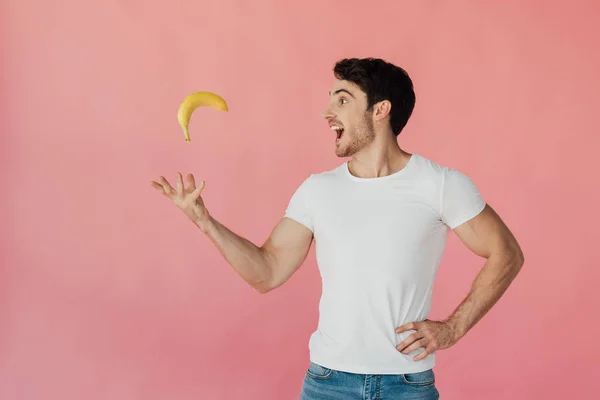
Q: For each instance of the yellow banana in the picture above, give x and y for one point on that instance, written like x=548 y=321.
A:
x=193 y=101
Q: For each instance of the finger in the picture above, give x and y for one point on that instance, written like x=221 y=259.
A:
x=166 y=185
x=407 y=327
x=416 y=345
x=196 y=193
x=191 y=183
x=409 y=340
x=159 y=187
x=428 y=350
x=179 y=183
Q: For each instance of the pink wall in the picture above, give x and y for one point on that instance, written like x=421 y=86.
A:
x=108 y=292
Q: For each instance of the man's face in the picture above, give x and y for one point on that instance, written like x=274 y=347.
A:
x=348 y=118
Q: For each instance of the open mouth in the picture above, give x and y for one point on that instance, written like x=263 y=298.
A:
x=339 y=132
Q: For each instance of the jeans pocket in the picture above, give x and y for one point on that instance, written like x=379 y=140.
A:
x=424 y=378
x=316 y=371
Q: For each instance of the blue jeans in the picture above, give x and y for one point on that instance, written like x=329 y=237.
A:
x=322 y=383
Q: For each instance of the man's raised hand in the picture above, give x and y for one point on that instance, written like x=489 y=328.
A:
x=186 y=197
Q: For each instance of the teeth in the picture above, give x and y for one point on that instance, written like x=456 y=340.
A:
x=336 y=128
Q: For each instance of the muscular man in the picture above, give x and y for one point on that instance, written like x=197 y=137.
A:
x=380 y=223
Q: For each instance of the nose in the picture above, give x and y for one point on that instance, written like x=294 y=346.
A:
x=328 y=113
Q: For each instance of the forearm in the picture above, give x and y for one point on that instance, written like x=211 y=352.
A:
x=247 y=259
x=487 y=288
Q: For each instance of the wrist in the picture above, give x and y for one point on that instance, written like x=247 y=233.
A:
x=455 y=328
x=205 y=224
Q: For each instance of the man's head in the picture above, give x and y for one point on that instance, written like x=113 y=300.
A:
x=370 y=97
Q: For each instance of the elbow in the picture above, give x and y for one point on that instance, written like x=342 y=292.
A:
x=521 y=258
x=263 y=285
x=511 y=258
x=263 y=288
x=518 y=258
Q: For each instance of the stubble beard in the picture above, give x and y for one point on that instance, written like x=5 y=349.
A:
x=360 y=137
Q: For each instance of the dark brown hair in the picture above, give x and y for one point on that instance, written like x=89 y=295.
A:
x=381 y=80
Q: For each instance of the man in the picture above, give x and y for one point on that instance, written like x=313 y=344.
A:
x=380 y=223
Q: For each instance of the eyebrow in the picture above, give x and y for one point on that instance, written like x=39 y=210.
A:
x=341 y=90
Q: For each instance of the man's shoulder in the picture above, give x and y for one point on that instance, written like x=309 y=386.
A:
x=434 y=168
x=326 y=176
x=319 y=181
x=448 y=178
x=428 y=165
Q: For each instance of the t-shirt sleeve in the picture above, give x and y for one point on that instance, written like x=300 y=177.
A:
x=461 y=199
x=298 y=206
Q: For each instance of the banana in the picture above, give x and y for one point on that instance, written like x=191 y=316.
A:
x=195 y=100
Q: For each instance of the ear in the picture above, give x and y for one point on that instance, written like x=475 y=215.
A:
x=382 y=110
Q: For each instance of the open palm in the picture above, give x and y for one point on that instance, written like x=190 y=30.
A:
x=185 y=196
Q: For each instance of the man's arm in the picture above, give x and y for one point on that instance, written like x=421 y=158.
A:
x=265 y=267
x=487 y=236
x=269 y=266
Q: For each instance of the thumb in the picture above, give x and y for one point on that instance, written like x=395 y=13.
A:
x=196 y=193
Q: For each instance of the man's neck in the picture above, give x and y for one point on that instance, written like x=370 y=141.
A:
x=381 y=158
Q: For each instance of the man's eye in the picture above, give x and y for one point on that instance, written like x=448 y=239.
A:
x=343 y=101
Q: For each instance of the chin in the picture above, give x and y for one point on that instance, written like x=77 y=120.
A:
x=343 y=152
x=347 y=148
x=340 y=151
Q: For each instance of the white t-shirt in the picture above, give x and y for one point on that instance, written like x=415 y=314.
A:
x=378 y=243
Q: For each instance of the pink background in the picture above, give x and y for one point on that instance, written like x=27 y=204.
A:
x=108 y=292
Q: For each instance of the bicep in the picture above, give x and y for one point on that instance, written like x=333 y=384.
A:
x=286 y=249
x=486 y=234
